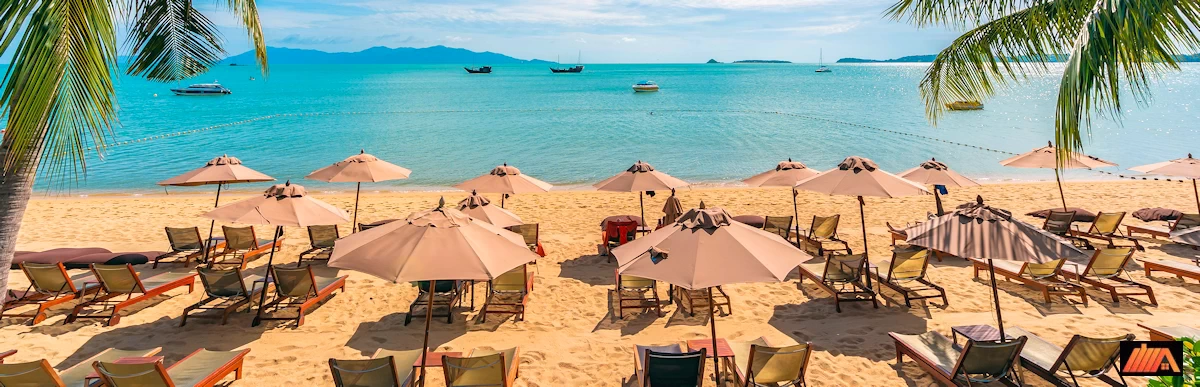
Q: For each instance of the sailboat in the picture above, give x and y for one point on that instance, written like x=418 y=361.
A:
x=577 y=69
x=821 y=62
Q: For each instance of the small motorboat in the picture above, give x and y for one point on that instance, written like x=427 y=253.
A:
x=965 y=105
x=203 y=89
x=576 y=69
x=479 y=70
x=645 y=86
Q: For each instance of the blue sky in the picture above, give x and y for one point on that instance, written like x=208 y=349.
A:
x=607 y=31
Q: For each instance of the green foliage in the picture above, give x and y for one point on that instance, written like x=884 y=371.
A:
x=1191 y=359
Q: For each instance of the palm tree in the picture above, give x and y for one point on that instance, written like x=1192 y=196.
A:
x=1112 y=44
x=58 y=90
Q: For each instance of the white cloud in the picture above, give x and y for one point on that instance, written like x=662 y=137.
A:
x=627 y=39
x=581 y=40
x=456 y=39
x=737 y=4
x=821 y=30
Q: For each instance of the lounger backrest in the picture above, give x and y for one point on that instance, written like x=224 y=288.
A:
x=294 y=282
x=442 y=286
x=527 y=231
x=824 y=226
x=364 y=373
x=487 y=370
x=34 y=373
x=1106 y=223
x=1186 y=221
x=1044 y=270
x=322 y=236
x=621 y=232
x=118 y=278
x=779 y=225
x=513 y=281
x=1090 y=356
x=222 y=283
x=908 y=263
x=240 y=238
x=1059 y=222
x=777 y=364
x=1109 y=262
x=48 y=278
x=366 y=226
x=985 y=362
x=844 y=268
x=133 y=375
x=184 y=238
x=674 y=369
x=633 y=282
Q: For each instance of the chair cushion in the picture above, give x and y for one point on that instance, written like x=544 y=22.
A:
x=1036 y=350
x=191 y=371
x=938 y=349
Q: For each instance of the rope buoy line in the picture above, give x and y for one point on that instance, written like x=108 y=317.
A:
x=551 y=110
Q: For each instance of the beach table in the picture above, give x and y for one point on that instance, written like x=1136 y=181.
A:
x=435 y=360
x=723 y=354
x=977 y=333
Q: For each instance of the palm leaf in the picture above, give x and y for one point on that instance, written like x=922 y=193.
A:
x=956 y=13
x=247 y=13
x=171 y=41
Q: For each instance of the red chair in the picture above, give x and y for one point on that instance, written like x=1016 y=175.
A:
x=618 y=233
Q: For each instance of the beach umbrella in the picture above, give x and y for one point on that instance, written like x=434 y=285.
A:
x=859 y=176
x=358 y=169
x=935 y=172
x=707 y=248
x=1046 y=157
x=442 y=244
x=1186 y=168
x=504 y=179
x=786 y=174
x=672 y=208
x=978 y=231
x=640 y=178
x=220 y=171
x=281 y=205
x=480 y=208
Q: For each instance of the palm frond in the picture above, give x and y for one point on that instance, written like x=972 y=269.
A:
x=956 y=13
x=247 y=13
x=171 y=41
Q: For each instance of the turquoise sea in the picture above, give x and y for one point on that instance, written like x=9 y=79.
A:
x=712 y=124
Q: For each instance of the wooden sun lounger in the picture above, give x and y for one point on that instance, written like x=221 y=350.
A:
x=507 y=294
x=448 y=299
x=1082 y=358
x=1107 y=227
x=1184 y=222
x=945 y=362
x=1105 y=270
x=1179 y=269
x=40 y=373
x=647 y=368
x=1171 y=333
x=690 y=300
x=242 y=245
x=384 y=368
x=1050 y=283
x=761 y=362
x=186 y=246
x=121 y=280
x=226 y=291
x=202 y=368
x=320 y=240
x=636 y=293
x=301 y=289
x=845 y=284
x=483 y=368
x=906 y=275
x=49 y=286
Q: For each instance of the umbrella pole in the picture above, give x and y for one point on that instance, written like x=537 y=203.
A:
x=862 y=213
x=1060 y=189
x=996 y=298
x=712 y=324
x=262 y=298
x=354 y=225
x=642 y=206
x=937 y=198
x=502 y=200
x=1197 y=192
x=425 y=344
x=212 y=225
x=796 y=215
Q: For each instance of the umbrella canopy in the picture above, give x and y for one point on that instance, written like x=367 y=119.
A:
x=1186 y=167
x=281 y=205
x=438 y=244
x=480 y=208
x=859 y=176
x=786 y=174
x=977 y=230
x=1046 y=157
x=640 y=177
x=221 y=170
x=360 y=168
x=672 y=209
x=504 y=179
x=935 y=172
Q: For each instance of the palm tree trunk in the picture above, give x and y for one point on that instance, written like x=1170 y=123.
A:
x=15 y=190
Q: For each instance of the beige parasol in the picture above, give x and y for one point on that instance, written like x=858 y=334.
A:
x=672 y=208
x=935 y=172
x=640 y=177
x=504 y=179
x=1046 y=157
x=1186 y=168
x=220 y=171
x=360 y=168
x=786 y=174
x=480 y=208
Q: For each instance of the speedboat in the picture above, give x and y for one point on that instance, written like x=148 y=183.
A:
x=965 y=105
x=645 y=86
x=203 y=89
x=479 y=70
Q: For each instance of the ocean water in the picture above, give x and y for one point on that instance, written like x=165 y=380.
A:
x=712 y=124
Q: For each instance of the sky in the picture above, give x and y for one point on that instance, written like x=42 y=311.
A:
x=605 y=31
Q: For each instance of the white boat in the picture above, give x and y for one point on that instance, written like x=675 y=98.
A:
x=821 y=62
x=202 y=89
x=645 y=86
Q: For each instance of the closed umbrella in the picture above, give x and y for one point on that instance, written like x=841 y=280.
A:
x=220 y=171
x=978 y=231
x=859 y=176
x=935 y=172
x=281 y=205
x=706 y=248
x=640 y=177
x=1186 y=168
x=504 y=179
x=358 y=169
x=441 y=244
x=672 y=208
x=480 y=208
x=1047 y=157
x=786 y=174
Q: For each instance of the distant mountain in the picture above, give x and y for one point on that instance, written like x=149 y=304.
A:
x=761 y=61
x=712 y=61
x=906 y=59
x=1052 y=58
x=380 y=55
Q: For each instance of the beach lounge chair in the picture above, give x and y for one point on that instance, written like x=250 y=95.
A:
x=1184 y=222
x=226 y=291
x=186 y=245
x=1059 y=223
x=49 y=286
x=906 y=275
x=241 y=245
x=40 y=373
x=1179 y=269
x=530 y=233
x=763 y=363
x=301 y=289
x=976 y=363
x=320 y=239
x=447 y=294
x=1107 y=227
x=1083 y=358
x=483 y=368
x=202 y=368
x=896 y=234
x=507 y=293
x=691 y=300
x=636 y=293
x=1044 y=277
x=384 y=368
x=617 y=233
x=842 y=277
x=668 y=365
x=1171 y=333
x=118 y=281
x=779 y=225
x=821 y=238
x=1106 y=271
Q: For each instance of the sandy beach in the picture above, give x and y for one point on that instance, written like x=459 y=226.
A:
x=569 y=336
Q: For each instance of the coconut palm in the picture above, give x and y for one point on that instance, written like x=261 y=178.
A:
x=57 y=94
x=1110 y=45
